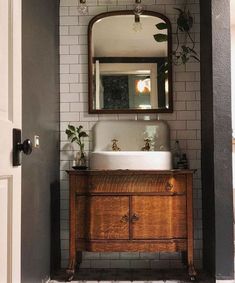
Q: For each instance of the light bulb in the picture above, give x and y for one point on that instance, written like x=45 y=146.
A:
x=82 y=8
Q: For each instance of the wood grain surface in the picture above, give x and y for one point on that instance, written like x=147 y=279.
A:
x=107 y=217
x=131 y=210
x=159 y=217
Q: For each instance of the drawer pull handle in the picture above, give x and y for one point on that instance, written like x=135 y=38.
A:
x=125 y=218
x=169 y=186
x=134 y=218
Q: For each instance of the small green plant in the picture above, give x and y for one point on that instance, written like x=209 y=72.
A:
x=183 y=51
x=76 y=134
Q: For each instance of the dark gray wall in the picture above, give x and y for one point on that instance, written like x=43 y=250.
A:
x=40 y=117
x=216 y=138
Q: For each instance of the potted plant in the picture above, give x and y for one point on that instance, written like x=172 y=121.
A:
x=77 y=135
x=184 y=51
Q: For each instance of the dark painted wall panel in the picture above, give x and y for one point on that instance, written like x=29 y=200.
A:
x=223 y=139
x=207 y=132
x=40 y=171
x=216 y=138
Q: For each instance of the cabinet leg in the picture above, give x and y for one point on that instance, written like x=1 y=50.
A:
x=192 y=272
x=71 y=269
x=78 y=260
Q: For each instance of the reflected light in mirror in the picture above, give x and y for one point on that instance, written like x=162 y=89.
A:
x=144 y=86
x=145 y=106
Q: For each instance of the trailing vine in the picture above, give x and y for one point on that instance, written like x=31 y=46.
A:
x=183 y=51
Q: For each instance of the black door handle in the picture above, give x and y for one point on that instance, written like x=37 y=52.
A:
x=18 y=147
x=26 y=147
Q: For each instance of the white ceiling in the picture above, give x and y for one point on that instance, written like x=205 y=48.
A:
x=232 y=13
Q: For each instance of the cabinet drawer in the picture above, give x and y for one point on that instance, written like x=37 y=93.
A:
x=158 y=217
x=161 y=183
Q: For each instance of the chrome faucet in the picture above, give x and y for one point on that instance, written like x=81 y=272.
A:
x=115 y=146
x=147 y=145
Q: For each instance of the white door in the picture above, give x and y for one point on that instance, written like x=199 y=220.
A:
x=10 y=117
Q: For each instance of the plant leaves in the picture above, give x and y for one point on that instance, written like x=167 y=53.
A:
x=196 y=58
x=185 y=21
x=190 y=20
x=79 y=128
x=71 y=127
x=74 y=139
x=160 y=37
x=83 y=135
x=185 y=49
x=69 y=133
x=184 y=59
x=192 y=51
x=161 y=26
x=179 y=10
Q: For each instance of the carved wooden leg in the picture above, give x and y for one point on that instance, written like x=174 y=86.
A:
x=70 y=271
x=192 y=272
x=78 y=260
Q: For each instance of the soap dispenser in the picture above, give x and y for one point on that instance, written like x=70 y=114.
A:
x=176 y=155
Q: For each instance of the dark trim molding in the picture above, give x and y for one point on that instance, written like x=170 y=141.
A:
x=129 y=59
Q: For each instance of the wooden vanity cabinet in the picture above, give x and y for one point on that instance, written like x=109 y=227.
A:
x=127 y=210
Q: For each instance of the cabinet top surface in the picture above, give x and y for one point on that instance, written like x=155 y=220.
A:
x=130 y=172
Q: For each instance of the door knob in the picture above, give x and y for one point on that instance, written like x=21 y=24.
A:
x=26 y=147
x=135 y=217
x=125 y=218
x=18 y=147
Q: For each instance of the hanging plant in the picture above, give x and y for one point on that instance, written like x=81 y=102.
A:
x=183 y=52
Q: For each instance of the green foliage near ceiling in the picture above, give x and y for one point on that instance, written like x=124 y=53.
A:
x=185 y=49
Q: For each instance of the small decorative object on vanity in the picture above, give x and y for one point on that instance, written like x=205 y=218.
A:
x=147 y=145
x=115 y=146
x=176 y=155
x=180 y=160
x=77 y=134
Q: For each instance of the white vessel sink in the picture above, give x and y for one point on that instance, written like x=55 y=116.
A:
x=132 y=160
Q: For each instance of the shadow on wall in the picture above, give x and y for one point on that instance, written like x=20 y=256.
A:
x=233 y=163
x=55 y=227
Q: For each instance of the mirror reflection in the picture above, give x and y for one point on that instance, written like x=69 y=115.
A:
x=127 y=66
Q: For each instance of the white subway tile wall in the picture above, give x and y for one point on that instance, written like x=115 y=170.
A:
x=184 y=122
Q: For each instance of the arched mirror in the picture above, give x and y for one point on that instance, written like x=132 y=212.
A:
x=129 y=71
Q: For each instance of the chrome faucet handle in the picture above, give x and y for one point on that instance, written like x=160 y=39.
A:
x=114 y=145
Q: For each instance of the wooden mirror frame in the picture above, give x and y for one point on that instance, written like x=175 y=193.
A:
x=90 y=63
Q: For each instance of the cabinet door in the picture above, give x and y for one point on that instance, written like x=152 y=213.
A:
x=155 y=217
x=109 y=217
